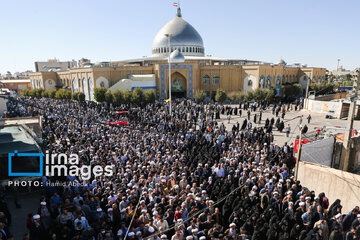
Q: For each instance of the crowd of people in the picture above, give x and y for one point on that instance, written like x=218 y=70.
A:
x=178 y=175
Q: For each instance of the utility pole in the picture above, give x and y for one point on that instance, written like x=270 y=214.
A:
x=350 y=122
x=169 y=36
x=298 y=153
x=307 y=92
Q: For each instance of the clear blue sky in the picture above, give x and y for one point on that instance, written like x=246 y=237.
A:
x=315 y=32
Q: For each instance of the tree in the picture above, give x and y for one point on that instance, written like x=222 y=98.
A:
x=241 y=96
x=250 y=95
x=348 y=77
x=63 y=94
x=99 y=94
x=75 y=96
x=322 y=88
x=45 y=94
x=199 y=96
x=270 y=93
x=127 y=96
x=52 y=93
x=292 y=90
x=220 y=96
x=25 y=92
x=38 y=92
x=260 y=94
x=138 y=96
x=81 y=97
x=118 y=97
x=67 y=94
x=150 y=96
x=108 y=97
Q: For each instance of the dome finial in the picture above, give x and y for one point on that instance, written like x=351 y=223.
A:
x=178 y=13
x=177 y=5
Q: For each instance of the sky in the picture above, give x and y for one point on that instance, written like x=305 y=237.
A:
x=313 y=32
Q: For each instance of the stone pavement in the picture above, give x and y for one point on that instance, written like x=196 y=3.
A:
x=292 y=118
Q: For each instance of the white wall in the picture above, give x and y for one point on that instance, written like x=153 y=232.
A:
x=100 y=80
x=49 y=84
x=336 y=184
x=324 y=107
x=246 y=82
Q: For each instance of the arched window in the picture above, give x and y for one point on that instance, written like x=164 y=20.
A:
x=187 y=49
x=249 y=83
x=262 y=81
x=206 y=80
x=216 y=79
x=102 y=84
x=268 y=81
x=75 y=85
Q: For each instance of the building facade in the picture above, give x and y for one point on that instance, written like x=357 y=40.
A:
x=198 y=72
x=16 y=84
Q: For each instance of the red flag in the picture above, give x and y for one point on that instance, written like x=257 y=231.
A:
x=297 y=144
x=118 y=123
x=120 y=112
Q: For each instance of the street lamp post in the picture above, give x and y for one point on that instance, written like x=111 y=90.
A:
x=350 y=122
x=169 y=36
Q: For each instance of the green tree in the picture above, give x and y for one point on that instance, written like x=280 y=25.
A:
x=199 y=96
x=292 y=90
x=45 y=94
x=108 y=96
x=260 y=94
x=38 y=92
x=25 y=92
x=150 y=96
x=127 y=96
x=81 y=97
x=270 y=93
x=67 y=94
x=52 y=93
x=118 y=97
x=348 y=77
x=63 y=94
x=220 y=96
x=99 y=94
x=241 y=96
x=75 y=96
x=250 y=95
x=138 y=96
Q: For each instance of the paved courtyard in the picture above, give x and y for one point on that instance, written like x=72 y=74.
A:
x=292 y=118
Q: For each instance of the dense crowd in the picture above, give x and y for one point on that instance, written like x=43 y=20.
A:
x=177 y=176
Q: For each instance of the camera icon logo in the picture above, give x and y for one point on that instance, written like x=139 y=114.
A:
x=24 y=156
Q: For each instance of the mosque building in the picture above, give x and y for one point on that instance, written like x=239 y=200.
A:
x=196 y=72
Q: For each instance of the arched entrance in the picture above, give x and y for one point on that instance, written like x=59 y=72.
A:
x=178 y=85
